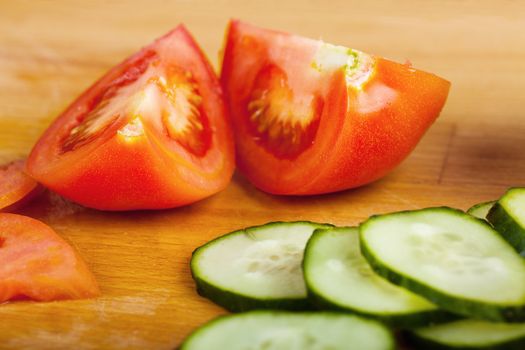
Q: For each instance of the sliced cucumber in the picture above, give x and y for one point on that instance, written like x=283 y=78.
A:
x=274 y=330
x=508 y=217
x=453 y=259
x=470 y=334
x=338 y=277
x=481 y=210
x=258 y=267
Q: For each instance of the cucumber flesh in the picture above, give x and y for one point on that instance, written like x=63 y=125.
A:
x=508 y=218
x=453 y=259
x=481 y=210
x=470 y=334
x=277 y=330
x=258 y=267
x=338 y=277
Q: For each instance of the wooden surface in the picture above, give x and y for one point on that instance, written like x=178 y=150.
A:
x=52 y=50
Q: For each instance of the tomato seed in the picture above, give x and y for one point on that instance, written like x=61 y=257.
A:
x=185 y=120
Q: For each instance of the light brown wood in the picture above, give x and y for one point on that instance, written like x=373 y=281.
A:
x=51 y=50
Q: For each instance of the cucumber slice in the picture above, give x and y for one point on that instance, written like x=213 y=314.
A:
x=338 y=277
x=470 y=334
x=508 y=217
x=278 y=330
x=257 y=267
x=481 y=210
x=453 y=259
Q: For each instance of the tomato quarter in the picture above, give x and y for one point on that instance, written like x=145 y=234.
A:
x=16 y=187
x=152 y=133
x=36 y=264
x=311 y=117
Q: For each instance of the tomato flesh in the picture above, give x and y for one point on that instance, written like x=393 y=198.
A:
x=341 y=118
x=16 y=188
x=174 y=91
x=152 y=133
x=38 y=264
x=97 y=117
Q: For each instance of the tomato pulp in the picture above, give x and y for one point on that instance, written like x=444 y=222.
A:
x=16 y=187
x=311 y=117
x=152 y=133
x=37 y=264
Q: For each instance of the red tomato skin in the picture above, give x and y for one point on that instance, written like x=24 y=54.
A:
x=376 y=142
x=133 y=175
x=111 y=174
x=363 y=134
x=39 y=265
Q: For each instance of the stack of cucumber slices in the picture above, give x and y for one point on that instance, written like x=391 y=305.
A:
x=443 y=278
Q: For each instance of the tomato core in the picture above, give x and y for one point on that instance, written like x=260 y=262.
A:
x=135 y=128
x=280 y=122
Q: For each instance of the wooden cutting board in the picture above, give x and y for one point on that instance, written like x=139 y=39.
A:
x=52 y=50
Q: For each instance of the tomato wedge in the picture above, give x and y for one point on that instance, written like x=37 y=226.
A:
x=311 y=117
x=152 y=133
x=16 y=187
x=36 y=264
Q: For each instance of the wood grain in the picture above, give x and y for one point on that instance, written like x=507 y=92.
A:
x=51 y=50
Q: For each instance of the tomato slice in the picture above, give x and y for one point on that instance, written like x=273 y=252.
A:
x=152 y=133
x=311 y=117
x=16 y=187
x=37 y=264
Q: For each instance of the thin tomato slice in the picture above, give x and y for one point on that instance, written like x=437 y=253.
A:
x=37 y=264
x=16 y=187
x=150 y=134
x=311 y=117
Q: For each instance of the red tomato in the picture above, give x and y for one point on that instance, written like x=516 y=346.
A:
x=152 y=133
x=16 y=188
x=37 y=264
x=310 y=117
